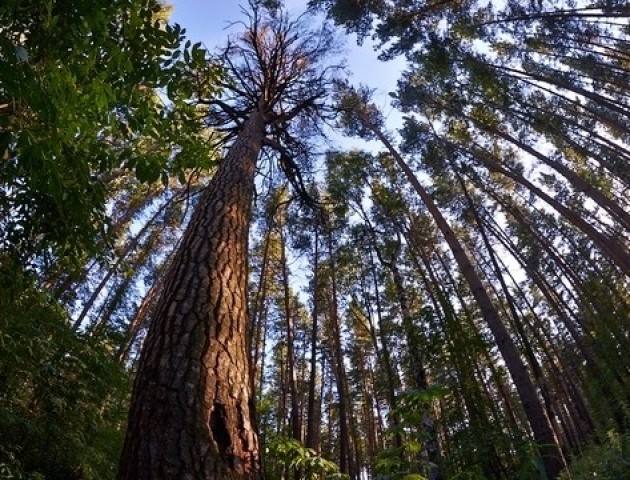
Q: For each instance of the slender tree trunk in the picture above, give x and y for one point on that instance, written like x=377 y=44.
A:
x=282 y=391
x=64 y=282
x=345 y=460
x=578 y=182
x=517 y=321
x=296 y=427
x=329 y=401
x=257 y=308
x=541 y=428
x=431 y=450
x=317 y=440
x=131 y=245
x=141 y=316
x=572 y=386
x=262 y=335
x=383 y=354
x=582 y=341
x=191 y=413
x=419 y=375
x=614 y=250
x=311 y=423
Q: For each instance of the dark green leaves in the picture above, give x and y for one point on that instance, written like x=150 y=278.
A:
x=62 y=397
x=291 y=454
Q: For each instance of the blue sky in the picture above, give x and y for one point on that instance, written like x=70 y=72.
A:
x=209 y=21
x=206 y=20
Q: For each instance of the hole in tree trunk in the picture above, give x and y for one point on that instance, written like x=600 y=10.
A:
x=219 y=430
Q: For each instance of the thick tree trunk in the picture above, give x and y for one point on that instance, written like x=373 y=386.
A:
x=541 y=428
x=191 y=413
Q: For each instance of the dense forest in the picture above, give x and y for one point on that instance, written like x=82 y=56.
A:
x=197 y=281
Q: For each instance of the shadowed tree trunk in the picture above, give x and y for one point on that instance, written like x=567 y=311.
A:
x=338 y=366
x=142 y=315
x=311 y=423
x=296 y=424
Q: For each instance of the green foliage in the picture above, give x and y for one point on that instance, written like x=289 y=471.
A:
x=608 y=461
x=357 y=16
x=414 y=402
x=63 y=397
x=355 y=110
x=290 y=456
x=347 y=177
x=529 y=463
x=469 y=475
x=88 y=89
x=12 y=470
x=408 y=462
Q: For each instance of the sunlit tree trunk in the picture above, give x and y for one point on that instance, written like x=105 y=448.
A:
x=191 y=413
x=258 y=307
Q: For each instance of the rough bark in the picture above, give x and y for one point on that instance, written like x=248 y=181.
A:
x=191 y=413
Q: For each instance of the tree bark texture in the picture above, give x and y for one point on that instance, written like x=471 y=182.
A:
x=192 y=412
